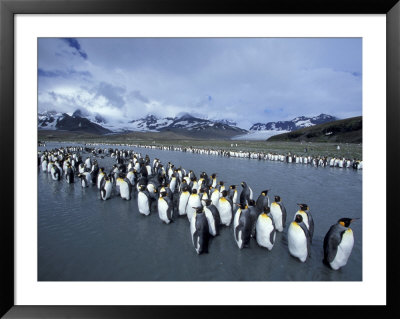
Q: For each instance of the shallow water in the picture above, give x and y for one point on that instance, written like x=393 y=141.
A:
x=82 y=238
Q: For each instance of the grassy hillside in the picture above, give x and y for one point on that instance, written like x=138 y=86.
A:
x=341 y=131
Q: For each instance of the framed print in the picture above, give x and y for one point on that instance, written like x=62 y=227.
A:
x=144 y=92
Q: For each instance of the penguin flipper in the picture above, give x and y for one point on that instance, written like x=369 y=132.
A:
x=272 y=236
x=284 y=214
x=308 y=237
x=331 y=244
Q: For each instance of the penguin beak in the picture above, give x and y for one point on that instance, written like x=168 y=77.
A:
x=354 y=219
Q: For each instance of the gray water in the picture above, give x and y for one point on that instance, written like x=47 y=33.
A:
x=83 y=238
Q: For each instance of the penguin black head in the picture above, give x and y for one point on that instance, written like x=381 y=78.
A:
x=346 y=221
x=243 y=184
x=264 y=193
x=252 y=202
x=241 y=206
x=214 y=175
x=207 y=201
x=304 y=206
x=194 y=191
x=185 y=188
x=142 y=187
x=277 y=198
x=266 y=210
x=199 y=209
x=163 y=194
x=232 y=186
x=298 y=219
x=224 y=193
x=221 y=183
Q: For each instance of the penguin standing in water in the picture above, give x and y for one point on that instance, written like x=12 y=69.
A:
x=183 y=200
x=278 y=212
x=105 y=188
x=299 y=239
x=265 y=230
x=199 y=230
x=165 y=208
x=212 y=216
x=143 y=200
x=194 y=201
x=262 y=201
x=307 y=218
x=69 y=175
x=100 y=177
x=225 y=209
x=338 y=243
x=125 y=187
x=55 y=173
x=246 y=194
x=242 y=226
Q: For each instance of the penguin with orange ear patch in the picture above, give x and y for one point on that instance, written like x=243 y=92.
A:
x=338 y=243
x=299 y=240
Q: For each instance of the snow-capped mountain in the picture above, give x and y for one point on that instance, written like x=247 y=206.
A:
x=94 y=123
x=295 y=124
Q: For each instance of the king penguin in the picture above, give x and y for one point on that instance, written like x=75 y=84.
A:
x=125 y=187
x=246 y=194
x=225 y=208
x=242 y=226
x=299 y=239
x=212 y=216
x=164 y=206
x=199 y=230
x=69 y=176
x=105 y=188
x=265 y=229
x=143 y=200
x=338 y=243
x=278 y=212
x=262 y=201
x=194 y=201
x=307 y=218
x=183 y=200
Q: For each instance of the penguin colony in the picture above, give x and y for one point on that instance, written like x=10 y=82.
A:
x=209 y=204
x=315 y=161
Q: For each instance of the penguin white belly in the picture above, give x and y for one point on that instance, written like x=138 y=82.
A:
x=211 y=222
x=215 y=197
x=107 y=188
x=162 y=210
x=148 y=168
x=143 y=204
x=235 y=196
x=344 y=250
x=172 y=184
x=44 y=166
x=130 y=176
x=194 y=201
x=183 y=201
x=99 y=179
x=264 y=227
x=238 y=240
x=297 y=242
x=276 y=213
x=225 y=211
x=192 y=231
x=124 y=190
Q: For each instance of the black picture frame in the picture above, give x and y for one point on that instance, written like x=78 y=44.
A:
x=391 y=8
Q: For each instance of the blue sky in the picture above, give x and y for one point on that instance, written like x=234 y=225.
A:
x=247 y=80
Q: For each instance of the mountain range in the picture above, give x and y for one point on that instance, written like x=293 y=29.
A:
x=184 y=124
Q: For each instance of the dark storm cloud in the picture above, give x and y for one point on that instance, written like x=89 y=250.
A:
x=73 y=43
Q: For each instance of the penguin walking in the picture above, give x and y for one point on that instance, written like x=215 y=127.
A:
x=165 y=208
x=125 y=187
x=278 y=212
x=299 y=240
x=105 y=188
x=212 y=216
x=183 y=200
x=246 y=194
x=307 y=218
x=265 y=229
x=199 y=230
x=143 y=200
x=338 y=243
x=193 y=201
x=242 y=226
x=225 y=209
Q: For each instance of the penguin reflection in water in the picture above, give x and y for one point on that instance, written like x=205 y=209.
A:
x=299 y=240
x=338 y=243
x=199 y=230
